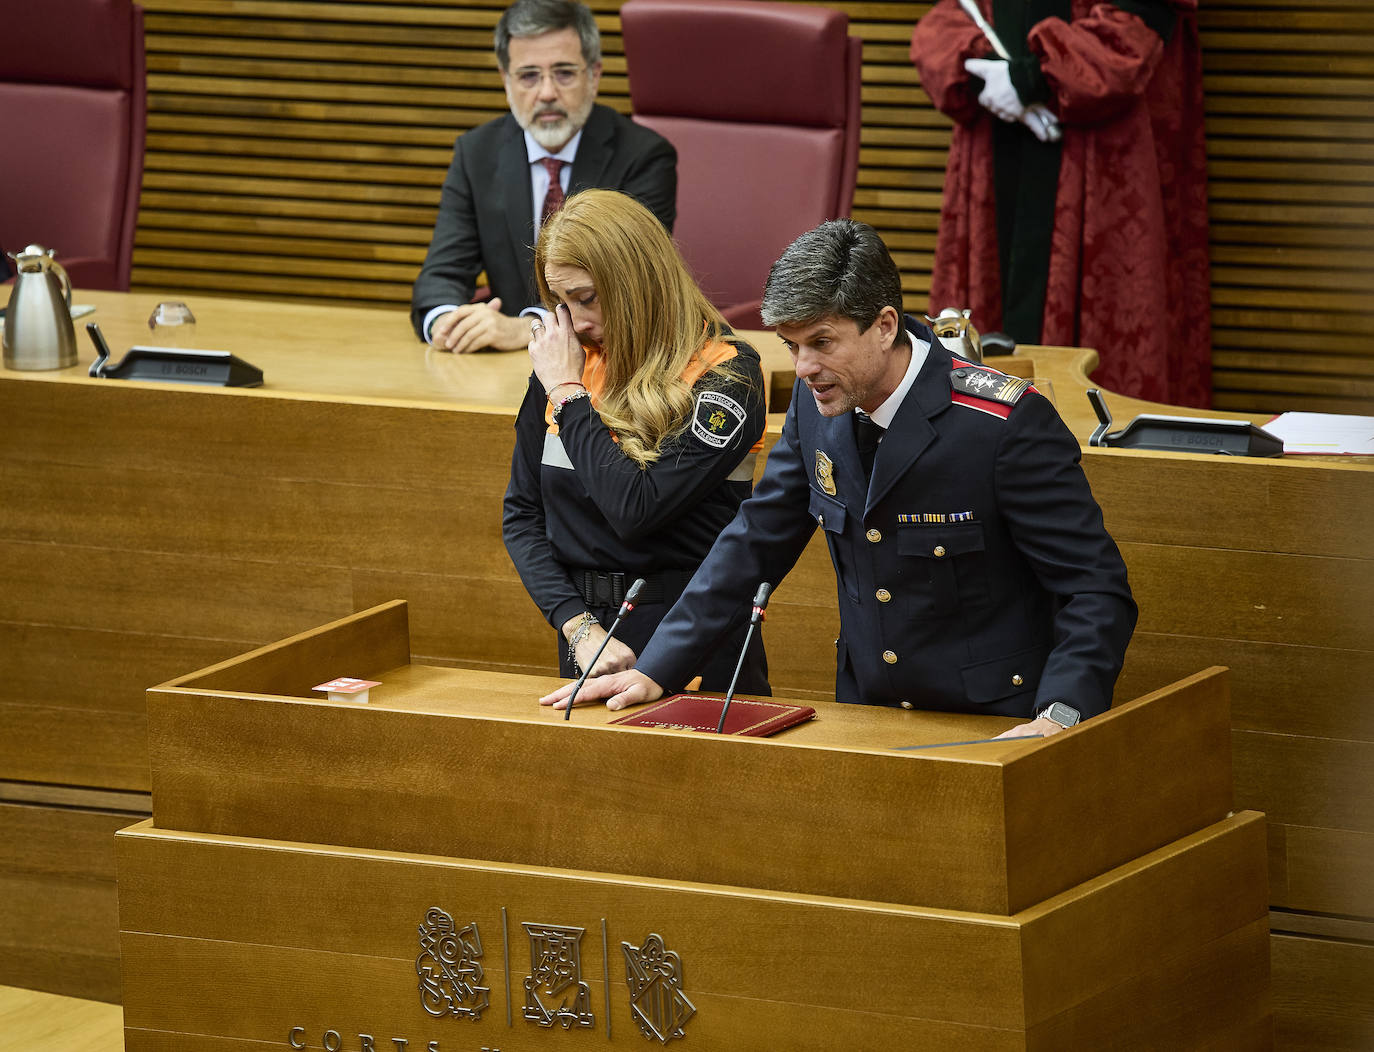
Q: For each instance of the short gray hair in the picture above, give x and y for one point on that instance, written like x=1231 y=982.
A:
x=841 y=269
x=530 y=18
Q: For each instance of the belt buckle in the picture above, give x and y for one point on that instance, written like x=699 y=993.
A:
x=603 y=589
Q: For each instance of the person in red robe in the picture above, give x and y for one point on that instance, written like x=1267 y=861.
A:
x=1097 y=239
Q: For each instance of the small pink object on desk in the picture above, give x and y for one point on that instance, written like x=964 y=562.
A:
x=346 y=688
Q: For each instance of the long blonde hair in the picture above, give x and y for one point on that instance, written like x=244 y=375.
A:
x=654 y=318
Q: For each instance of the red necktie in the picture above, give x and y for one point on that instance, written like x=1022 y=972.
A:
x=553 y=200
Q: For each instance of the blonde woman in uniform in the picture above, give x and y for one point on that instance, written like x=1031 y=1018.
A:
x=636 y=440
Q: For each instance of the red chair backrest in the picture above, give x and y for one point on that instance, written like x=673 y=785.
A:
x=73 y=110
x=761 y=100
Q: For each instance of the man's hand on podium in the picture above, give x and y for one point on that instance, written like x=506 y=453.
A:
x=1041 y=726
x=620 y=690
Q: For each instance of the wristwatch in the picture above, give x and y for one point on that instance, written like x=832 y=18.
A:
x=1064 y=715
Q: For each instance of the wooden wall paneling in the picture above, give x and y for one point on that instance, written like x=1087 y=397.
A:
x=1290 y=121
x=1246 y=504
x=1278 y=688
x=74 y=747
x=71 y=699
x=236 y=600
x=1269 y=596
x=1321 y=994
x=57 y=881
x=1302 y=781
x=1328 y=871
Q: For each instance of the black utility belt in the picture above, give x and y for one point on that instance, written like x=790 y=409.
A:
x=608 y=587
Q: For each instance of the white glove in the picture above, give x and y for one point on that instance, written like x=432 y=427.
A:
x=1042 y=122
x=998 y=95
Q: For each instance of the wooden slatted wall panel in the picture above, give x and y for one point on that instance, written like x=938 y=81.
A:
x=296 y=149
x=1290 y=127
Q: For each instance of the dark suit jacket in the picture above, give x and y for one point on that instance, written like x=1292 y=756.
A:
x=1020 y=601
x=486 y=219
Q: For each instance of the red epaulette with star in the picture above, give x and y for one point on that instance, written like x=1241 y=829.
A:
x=985 y=389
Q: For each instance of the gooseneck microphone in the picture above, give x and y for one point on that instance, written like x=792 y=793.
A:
x=626 y=605
x=760 y=605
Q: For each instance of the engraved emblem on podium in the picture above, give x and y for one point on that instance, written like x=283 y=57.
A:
x=449 y=968
x=554 y=990
x=654 y=975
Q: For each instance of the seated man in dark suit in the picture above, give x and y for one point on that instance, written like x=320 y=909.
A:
x=499 y=185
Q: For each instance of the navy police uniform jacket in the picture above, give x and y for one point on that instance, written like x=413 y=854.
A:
x=973 y=571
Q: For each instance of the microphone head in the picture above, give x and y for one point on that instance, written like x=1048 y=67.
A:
x=631 y=597
x=761 y=596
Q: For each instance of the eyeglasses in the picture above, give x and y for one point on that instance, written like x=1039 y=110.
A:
x=531 y=77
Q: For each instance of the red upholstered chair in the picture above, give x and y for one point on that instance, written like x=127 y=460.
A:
x=73 y=109
x=761 y=100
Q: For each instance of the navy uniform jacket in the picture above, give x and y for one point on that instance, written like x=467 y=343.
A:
x=1017 y=599
x=486 y=212
x=576 y=502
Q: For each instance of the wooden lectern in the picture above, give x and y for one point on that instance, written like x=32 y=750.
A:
x=451 y=868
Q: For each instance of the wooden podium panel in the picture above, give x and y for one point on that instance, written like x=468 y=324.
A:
x=450 y=865
x=478 y=770
x=233 y=942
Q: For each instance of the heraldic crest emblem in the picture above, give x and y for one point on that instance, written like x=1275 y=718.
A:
x=449 y=968
x=654 y=975
x=556 y=969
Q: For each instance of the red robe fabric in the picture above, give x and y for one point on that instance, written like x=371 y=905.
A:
x=1128 y=267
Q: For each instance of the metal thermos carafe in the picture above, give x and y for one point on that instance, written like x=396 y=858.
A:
x=38 y=321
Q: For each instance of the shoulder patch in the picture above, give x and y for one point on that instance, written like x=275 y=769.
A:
x=716 y=419
x=986 y=389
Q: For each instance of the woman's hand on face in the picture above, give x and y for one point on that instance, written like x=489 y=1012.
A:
x=555 y=351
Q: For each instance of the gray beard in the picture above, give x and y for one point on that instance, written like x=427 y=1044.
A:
x=553 y=137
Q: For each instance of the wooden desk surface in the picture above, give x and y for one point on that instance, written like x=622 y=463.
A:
x=371 y=356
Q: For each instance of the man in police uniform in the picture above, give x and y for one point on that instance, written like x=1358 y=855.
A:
x=973 y=569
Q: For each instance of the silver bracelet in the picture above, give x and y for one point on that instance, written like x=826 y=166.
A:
x=558 y=409
x=583 y=629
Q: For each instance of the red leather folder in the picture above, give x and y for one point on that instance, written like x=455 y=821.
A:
x=701 y=712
